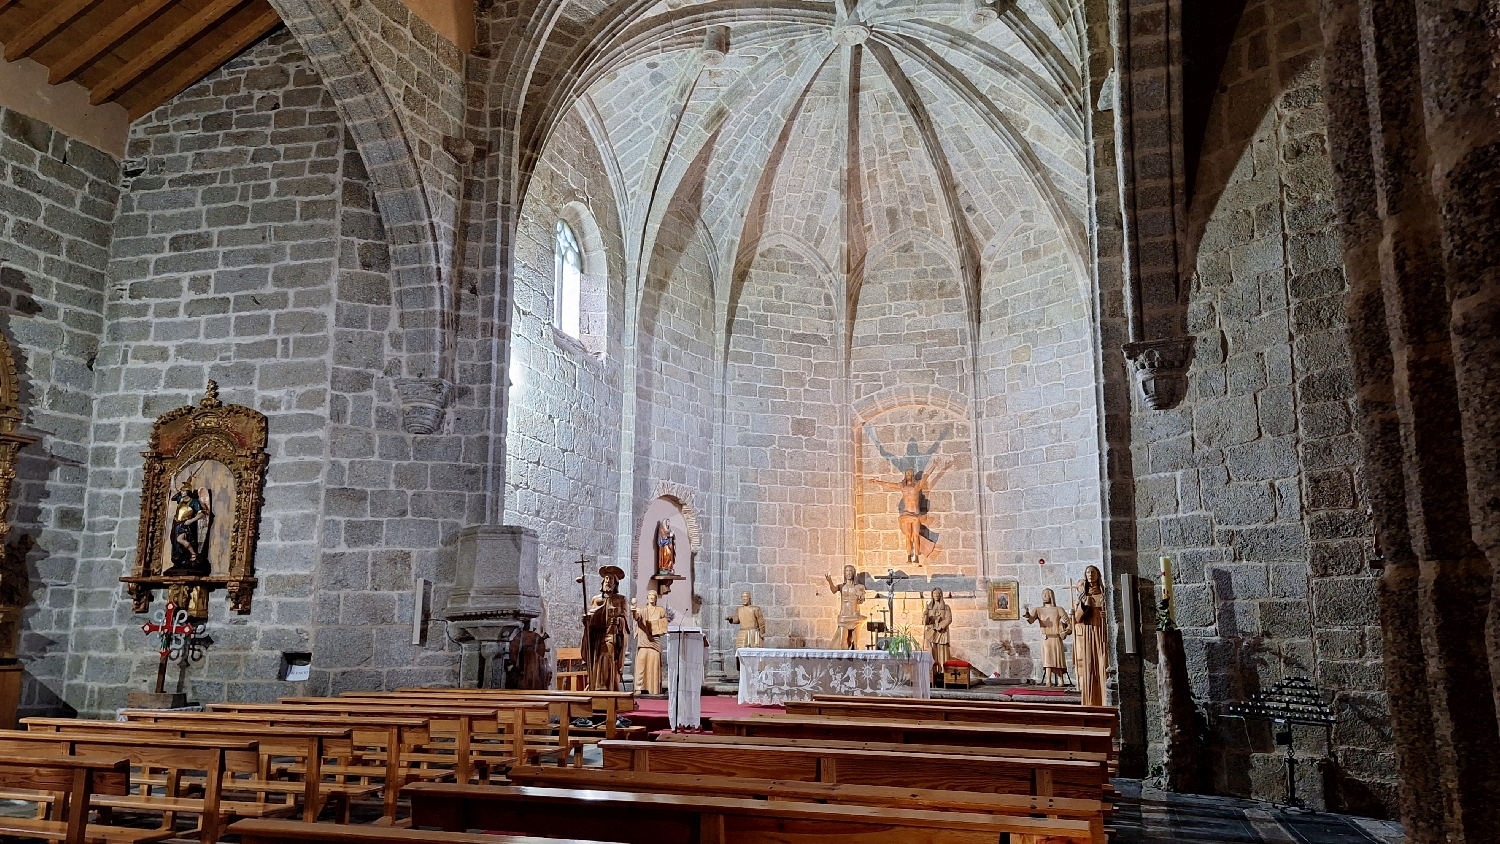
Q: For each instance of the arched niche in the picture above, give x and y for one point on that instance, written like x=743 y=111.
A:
x=678 y=601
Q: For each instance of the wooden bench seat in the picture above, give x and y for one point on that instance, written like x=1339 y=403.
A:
x=67 y=785
x=293 y=832
x=640 y=818
x=611 y=704
x=175 y=756
x=909 y=767
x=453 y=729
x=970 y=702
x=372 y=737
x=1101 y=759
x=279 y=747
x=1092 y=740
x=1092 y=812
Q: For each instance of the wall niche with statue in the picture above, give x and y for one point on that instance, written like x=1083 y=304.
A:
x=201 y=500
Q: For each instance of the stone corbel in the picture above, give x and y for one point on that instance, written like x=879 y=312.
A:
x=424 y=402
x=1161 y=369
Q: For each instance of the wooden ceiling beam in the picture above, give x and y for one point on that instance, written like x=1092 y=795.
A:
x=169 y=45
x=45 y=27
x=104 y=40
x=192 y=73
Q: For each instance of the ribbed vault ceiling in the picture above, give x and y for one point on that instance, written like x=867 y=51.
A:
x=840 y=124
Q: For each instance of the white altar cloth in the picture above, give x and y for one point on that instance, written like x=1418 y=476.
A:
x=772 y=676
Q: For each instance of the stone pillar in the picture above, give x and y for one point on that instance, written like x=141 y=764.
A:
x=1435 y=592
x=1457 y=46
x=495 y=594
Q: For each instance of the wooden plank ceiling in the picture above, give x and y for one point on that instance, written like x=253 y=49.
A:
x=138 y=53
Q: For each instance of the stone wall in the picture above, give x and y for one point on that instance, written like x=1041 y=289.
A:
x=563 y=440
x=248 y=249
x=57 y=203
x=1252 y=485
x=785 y=485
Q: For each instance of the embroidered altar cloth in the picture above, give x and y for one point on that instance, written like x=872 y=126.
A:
x=772 y=676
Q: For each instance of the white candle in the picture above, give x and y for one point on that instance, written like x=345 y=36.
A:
x=1166 y=587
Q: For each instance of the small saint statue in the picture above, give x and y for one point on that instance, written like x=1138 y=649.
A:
x=1090 y=646
x=752 y=624
x=666 y=548
x=936 y=620
x=1055 y=627
x=650 y=627
x=605 y=626
x=851 y=594
x=913 y=512
x=191 y=521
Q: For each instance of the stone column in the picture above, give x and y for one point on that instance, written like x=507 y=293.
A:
x=1457 y=47
x=1434 y=593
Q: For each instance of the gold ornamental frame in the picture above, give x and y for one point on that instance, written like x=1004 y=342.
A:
x=234 y=436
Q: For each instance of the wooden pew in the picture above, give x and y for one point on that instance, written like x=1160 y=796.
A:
x=970 y=702
x=638 y=818
x=876 y=709
x=1092 y=812
x=68 y=783
x=382 y=742
x=1100 y=759
x=538 y=727
x=1087 y=739
x=912 y=766
x=460 y=724
x=175 y=756
x=609 y=703
x=292 y=832
x=306 y=747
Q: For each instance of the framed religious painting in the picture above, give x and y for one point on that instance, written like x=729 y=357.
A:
x=201 y=498
x=1005 y=600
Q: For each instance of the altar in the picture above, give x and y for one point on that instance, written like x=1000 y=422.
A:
x=772 y=676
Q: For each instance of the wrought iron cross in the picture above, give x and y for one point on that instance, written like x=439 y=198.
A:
x=179 y=638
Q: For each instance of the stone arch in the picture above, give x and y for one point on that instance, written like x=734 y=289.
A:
x=417 y=269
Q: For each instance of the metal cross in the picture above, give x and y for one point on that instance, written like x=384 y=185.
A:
x=180 y=639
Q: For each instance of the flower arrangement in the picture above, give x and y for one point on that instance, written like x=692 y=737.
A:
x=901 y=643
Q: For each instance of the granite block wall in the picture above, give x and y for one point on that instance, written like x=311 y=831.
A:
x=785 y=485
x=563 y=441
x=57 y=205
x=1253 y=484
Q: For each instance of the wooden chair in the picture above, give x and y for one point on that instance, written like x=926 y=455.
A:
x=574 y=678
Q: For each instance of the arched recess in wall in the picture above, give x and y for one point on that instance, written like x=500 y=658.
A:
x=593 y=304
x=685 y=539
x=370 y=116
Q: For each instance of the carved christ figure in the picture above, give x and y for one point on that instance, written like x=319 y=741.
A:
x=851 y=594
x=912 y=517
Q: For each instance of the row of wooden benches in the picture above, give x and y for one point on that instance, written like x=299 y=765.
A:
x=293 y=758
x=985 y=767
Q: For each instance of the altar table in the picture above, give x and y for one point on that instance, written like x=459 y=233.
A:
x=773 y=676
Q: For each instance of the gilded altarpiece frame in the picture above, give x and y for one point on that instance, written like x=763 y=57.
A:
x=222 y=449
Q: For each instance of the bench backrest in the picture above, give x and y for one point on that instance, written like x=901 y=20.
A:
x=968 y=714
x=642 y=818
x=906 y=768
x=960 y=733
x=259 y=831
x=967 y=702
